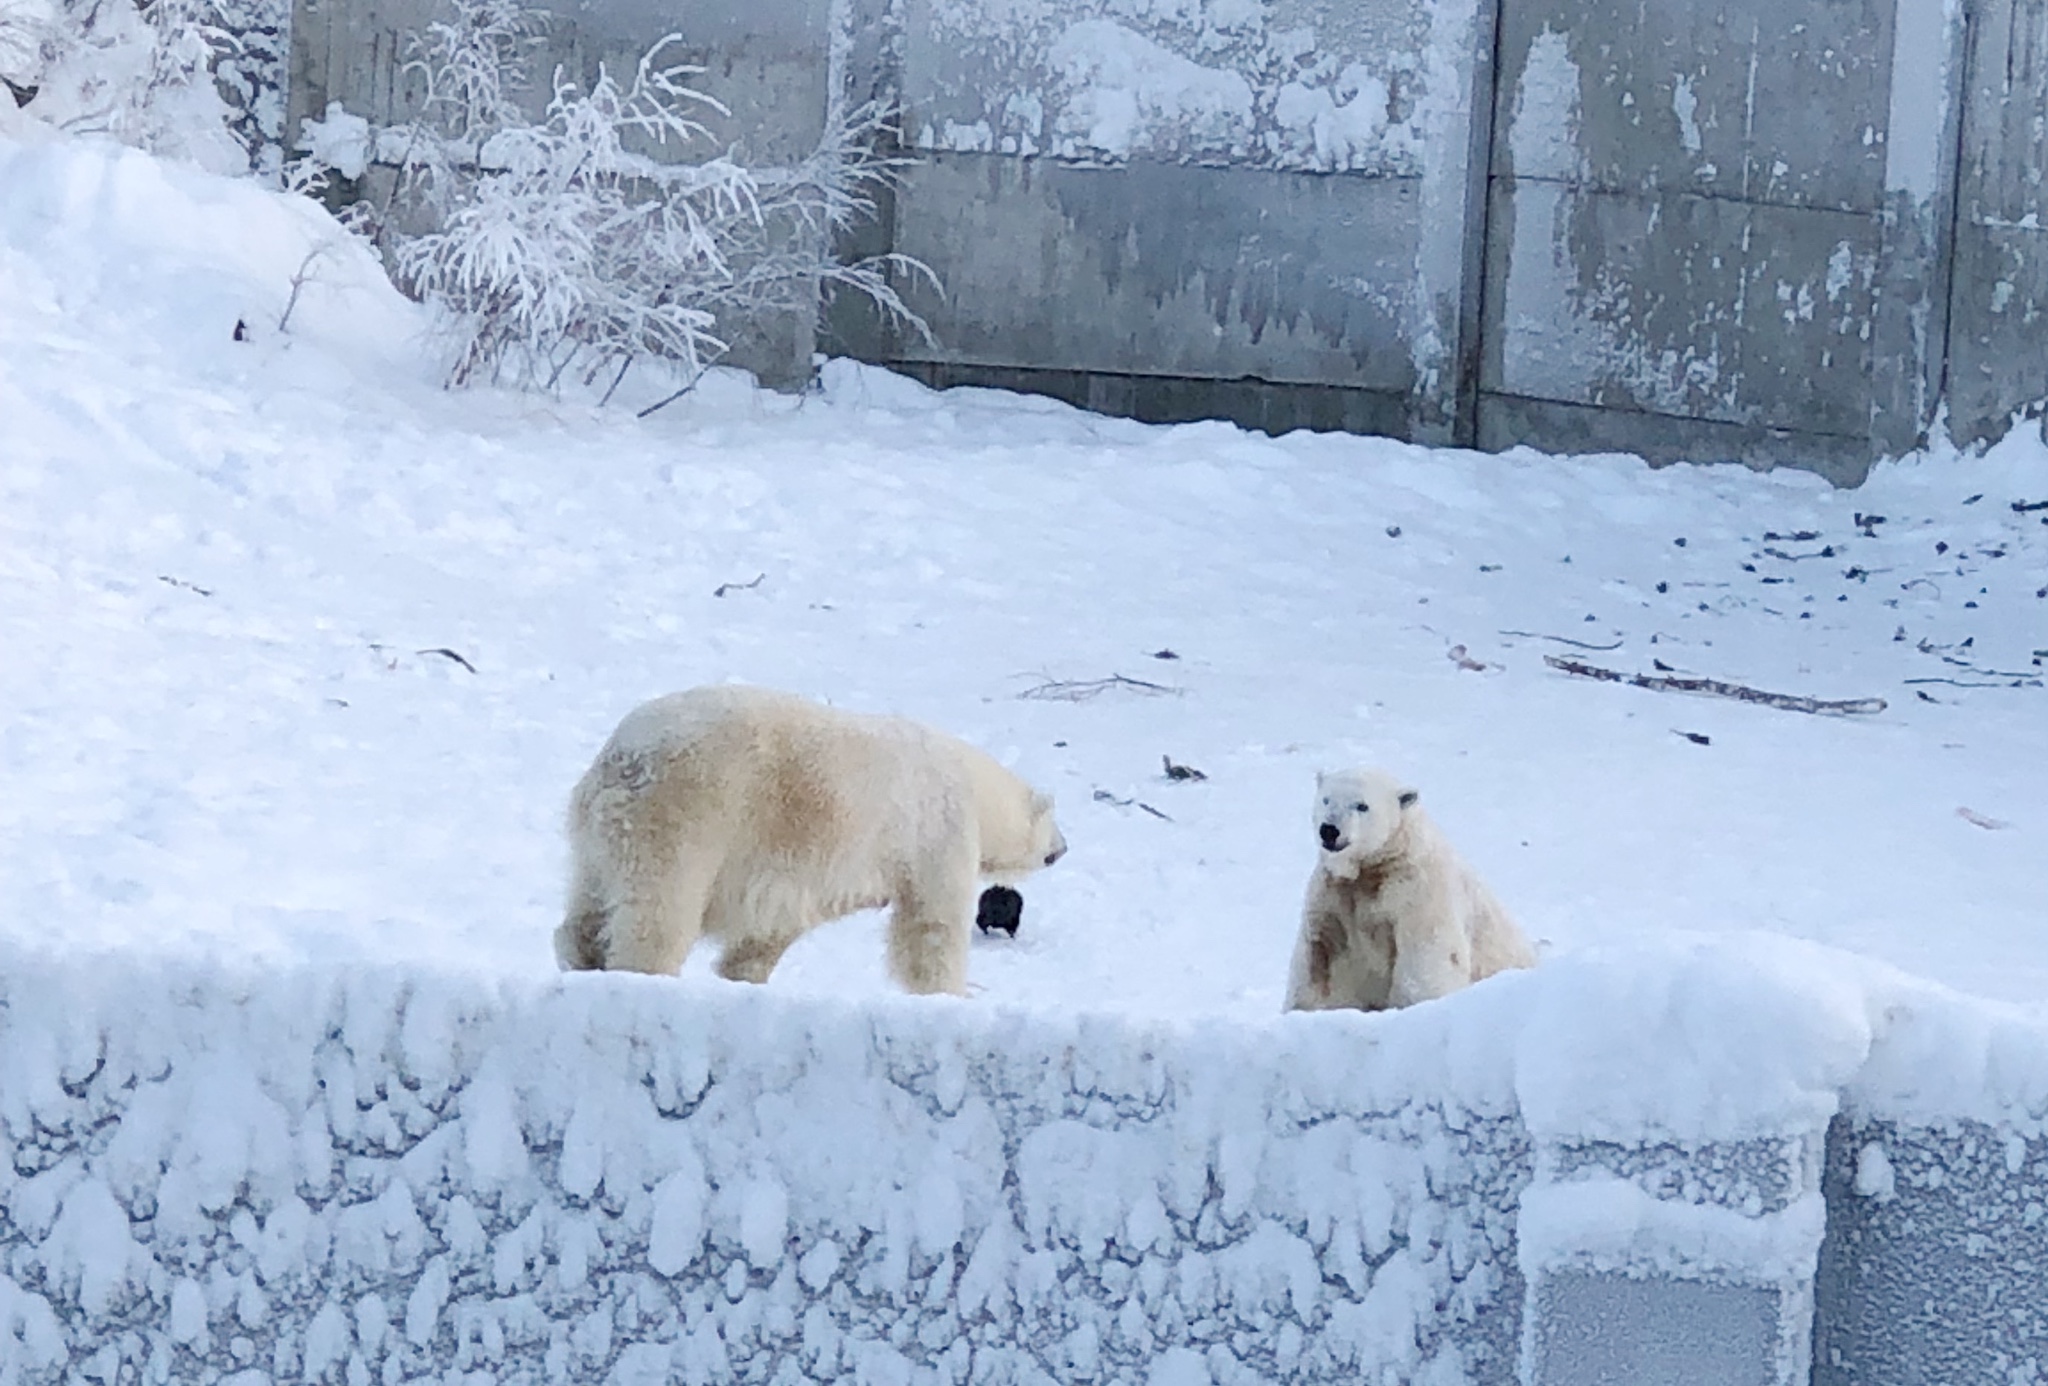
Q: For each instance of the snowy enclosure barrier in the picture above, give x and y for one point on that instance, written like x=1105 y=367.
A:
x=1720 y=233
x=1583 y=1174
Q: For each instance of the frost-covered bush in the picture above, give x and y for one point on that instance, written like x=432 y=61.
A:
x=201 y=80
x=581 y=240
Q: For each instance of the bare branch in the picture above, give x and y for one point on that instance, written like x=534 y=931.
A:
x=1562 y=640
x=1083 y=690
x=1664 y=683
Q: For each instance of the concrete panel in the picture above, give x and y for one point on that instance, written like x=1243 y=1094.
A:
x=1998 y=335
x=1699 y=307
x=1998 y=362
x=1256 y=404
x=1165 y=270
x=1371 y=92
x=1750 y=99
x=766 y=64
x=1670 y=1262
x=1744 y=223
x=1507 y=421
x=1935 y=1257
x=2005 y=133
x=1808 y=319
x=1312 y=85
x=1615 y=1330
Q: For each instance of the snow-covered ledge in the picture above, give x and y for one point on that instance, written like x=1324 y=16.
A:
x=308 y=1176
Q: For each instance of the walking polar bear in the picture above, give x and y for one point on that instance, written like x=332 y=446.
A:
x=755 y=816
x=1393 y=916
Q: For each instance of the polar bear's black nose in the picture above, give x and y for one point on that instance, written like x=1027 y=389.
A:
x=1330 y=837
x=1054 y=855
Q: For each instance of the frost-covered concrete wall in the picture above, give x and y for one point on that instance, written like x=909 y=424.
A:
x=1216 y=191
x=1756 y=231
x=1618 y=1168
x=1733 y=216
x=1937 y=1254
x=376 y=1180
x=1997 y=361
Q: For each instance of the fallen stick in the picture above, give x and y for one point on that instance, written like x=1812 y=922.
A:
x=1103 y=796
x=1081 y=690
x=446 y=653
x=1661 y=683
x=1562 y=640
x=2004 y=681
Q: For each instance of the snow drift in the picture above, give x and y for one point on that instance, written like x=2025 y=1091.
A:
x=347 y=1176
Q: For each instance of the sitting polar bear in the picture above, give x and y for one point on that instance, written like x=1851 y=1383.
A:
x=754 y=816
x=1393 y=916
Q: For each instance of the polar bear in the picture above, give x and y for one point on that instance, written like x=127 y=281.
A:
x=1393 y=916
x=754 y=816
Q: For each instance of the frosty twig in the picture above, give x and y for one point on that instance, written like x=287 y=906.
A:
x=1668 y=683
x=1081 y=690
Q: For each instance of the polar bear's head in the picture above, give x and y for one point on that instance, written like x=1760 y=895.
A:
x=1041 y=844
x=1018 y=832
x=1357 y=813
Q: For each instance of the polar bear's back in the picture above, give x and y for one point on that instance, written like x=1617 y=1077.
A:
x=733 y=764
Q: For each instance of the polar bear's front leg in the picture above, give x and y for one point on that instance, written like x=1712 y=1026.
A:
x=1317 y=951
x=658 y=917
x=930 y=916
x=1432 y=952
x=579 y=939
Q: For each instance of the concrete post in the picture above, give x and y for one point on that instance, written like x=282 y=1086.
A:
x=1671 y=1265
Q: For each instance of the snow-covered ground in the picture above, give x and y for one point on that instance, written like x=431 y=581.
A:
x=299 y=655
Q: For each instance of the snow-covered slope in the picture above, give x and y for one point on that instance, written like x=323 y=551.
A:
x=302 y=654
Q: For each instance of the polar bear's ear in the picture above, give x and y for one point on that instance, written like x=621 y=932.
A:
x=1321 y=776
x=1408 y=798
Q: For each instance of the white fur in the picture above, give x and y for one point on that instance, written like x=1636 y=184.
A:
x=1393 y=916
x=754 y=816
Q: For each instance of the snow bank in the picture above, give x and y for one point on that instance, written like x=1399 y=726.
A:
x=317 y=1177
x=131 y=245
x=336 y=1176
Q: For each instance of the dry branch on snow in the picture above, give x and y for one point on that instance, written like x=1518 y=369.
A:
x=1673 y=683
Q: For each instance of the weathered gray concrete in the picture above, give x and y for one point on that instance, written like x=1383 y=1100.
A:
x=1706 y=1281
x=767 y=64
x=1698 y=214
x=1936 y=1258
x=1997 y=360
x=1507 y=421
x=1257 y=404
x=1618 y=1330
x=1279 y=192
x=1774 y=233
x=1163 y=269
